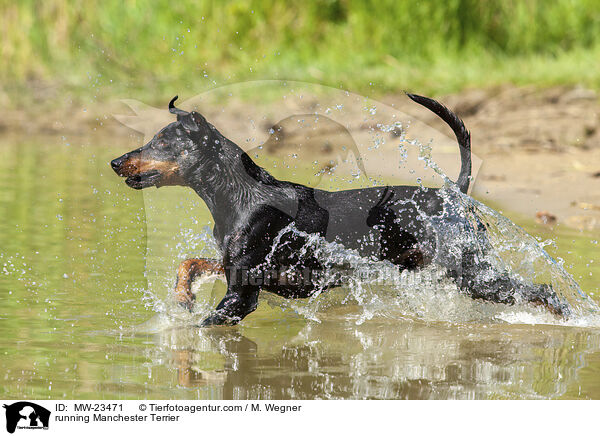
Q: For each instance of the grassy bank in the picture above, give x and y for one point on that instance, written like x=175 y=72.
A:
x=147 y=49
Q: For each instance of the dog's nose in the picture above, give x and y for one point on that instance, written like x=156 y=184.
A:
x=116 y=163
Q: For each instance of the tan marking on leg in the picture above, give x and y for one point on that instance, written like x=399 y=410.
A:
x=187 y=271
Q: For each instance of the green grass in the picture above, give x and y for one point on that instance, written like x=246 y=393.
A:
x=147 y=49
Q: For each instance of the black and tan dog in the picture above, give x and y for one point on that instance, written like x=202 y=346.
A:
x=254 y=214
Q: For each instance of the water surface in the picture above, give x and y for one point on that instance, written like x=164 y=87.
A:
x=86 y=266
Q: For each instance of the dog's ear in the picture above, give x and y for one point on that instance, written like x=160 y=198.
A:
x=192 y=121
x=199 y=119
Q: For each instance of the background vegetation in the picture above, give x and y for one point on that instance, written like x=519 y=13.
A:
x=146 y=48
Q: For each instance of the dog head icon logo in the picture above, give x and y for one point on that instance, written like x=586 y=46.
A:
x=26 y=415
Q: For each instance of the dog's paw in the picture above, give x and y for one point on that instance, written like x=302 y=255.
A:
x=219 y=319
x=185 y=300
x=187 y=305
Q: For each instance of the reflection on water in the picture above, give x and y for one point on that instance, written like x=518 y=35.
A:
x=390 y=360
x=73 y=323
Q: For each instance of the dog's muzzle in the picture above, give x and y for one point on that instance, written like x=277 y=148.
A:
x=143 y=173
x=117 y=163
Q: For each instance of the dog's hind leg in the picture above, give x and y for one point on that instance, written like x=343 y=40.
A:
x=545 y=296
x=187 y=271
x=507 y=290
x=481 y=281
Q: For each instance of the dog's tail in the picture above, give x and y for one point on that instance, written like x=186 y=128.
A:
x=462 y=135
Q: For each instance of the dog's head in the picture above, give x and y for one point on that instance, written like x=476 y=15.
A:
x=167 y=158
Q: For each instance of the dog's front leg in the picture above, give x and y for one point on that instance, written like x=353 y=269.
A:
x=188 y=270
x=239 y=301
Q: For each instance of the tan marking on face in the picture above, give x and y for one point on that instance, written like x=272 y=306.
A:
x=168 y=170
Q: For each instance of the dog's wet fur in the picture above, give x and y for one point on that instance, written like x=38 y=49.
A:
x=250 y=209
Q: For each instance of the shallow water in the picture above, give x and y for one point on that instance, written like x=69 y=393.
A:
x=86 y=265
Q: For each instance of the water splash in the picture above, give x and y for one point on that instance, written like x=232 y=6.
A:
x=377 y=289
